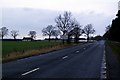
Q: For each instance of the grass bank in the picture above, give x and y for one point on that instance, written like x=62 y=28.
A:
x=18 y=50
x=115 y=46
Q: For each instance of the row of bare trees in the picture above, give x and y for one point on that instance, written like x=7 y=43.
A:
x=66 y=26
x=14 y=33
x=69 y=27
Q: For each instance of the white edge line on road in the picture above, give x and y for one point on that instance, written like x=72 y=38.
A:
x=30 y=71
x=104 y=52
x=103 y=71
x=64 y=57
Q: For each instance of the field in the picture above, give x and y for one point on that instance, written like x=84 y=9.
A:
x=115 y=47
x=14 y=50
x=20 y=46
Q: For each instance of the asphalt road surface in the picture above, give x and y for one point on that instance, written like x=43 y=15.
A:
x=83 y=61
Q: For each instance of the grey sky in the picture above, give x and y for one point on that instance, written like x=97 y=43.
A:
x=26 y=15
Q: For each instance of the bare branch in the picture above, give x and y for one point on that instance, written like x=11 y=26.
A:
x=14 y=33
x=88 y=29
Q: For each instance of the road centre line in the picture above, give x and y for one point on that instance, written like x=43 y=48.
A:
x=104 y=52
x=30 y=71
x=64 y=57
x=77 y=51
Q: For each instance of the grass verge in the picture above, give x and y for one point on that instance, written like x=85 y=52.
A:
x=115 y=46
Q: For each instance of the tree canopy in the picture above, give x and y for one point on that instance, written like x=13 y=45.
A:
x=3 y=32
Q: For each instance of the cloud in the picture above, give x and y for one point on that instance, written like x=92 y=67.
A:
x=106 y=6
x=26 y=19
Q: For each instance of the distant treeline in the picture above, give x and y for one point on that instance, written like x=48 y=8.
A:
x=66 y=26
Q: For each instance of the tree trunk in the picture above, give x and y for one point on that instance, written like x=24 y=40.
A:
x=63 y=41
x=87 y=38
x=2 y=37
x=76 y=39
x=68 y=40
x=14 y=37
x=32 y=37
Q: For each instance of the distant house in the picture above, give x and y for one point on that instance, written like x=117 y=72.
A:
x=27 y=39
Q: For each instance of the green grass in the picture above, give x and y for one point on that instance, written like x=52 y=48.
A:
x=20 y=46
x=115 y=47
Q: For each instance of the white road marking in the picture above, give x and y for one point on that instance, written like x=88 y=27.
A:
x=104 y=63
x=64 y=57
x=103 y=77
x=77 y=51
x=30 y=71
x=103 y=67
x=104 y=72
x=104 y=51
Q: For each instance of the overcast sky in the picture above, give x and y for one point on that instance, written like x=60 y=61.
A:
x=26 y=15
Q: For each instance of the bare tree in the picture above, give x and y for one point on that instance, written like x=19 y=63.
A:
x=3 y=32
x=48 y=31
x=32 y=34
x=88 y=29
x=56 y=33
x=63 y=22
x=14 y=33
x=76 y=30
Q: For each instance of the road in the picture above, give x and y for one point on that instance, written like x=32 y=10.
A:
x=83 y=61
